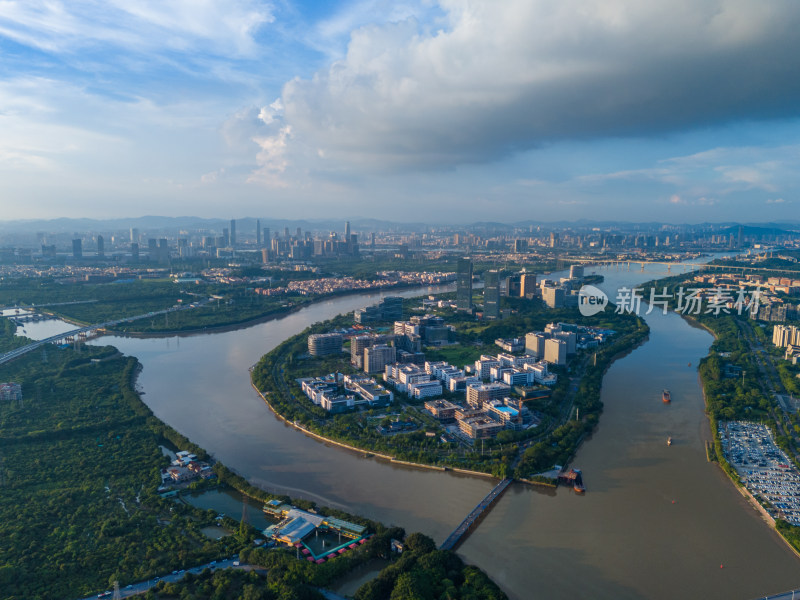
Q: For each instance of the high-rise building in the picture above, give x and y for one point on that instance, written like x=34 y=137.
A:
x=266 y=239
x=77 y=248
x=163 y=251
x=135 y=252
x=391 y=308
x=286 y=233
x=226 y=234
x=101 y=247
x=233 y=233
x=514 y=286
x=134 y=234
x=576 y=272
x=299 y=233
x=347 y=231
x=464 y=284
x=555 y=351
x=491 y=295
x=377 y=357
x=527 y=285
x=258 y=233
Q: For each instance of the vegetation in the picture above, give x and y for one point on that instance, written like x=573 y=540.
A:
x=276 y=373
x=79 y=468
x=420 y=573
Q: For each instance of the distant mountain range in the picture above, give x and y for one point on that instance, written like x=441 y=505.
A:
x=153 y=224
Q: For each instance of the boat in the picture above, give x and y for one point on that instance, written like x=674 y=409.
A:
x=669 y=441
x=665 y=397
x=689 y=365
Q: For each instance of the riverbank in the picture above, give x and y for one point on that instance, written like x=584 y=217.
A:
x=362 y=451
x=719 y=456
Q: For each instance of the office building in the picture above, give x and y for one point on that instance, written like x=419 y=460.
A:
x=321 y=344
x=478 y=394
x=377 y=357
x=266 y=239
x=553 y=297
x=101 y=247
x=513 y=286
x=576 y=272
x=391 y=308
x=527 y=287
x=233 y=233
x=135 y=252
x=77 y=249
x=555 y=351
x=134 y=234
x=464 y=284
x=491 y=295
x=258 y=233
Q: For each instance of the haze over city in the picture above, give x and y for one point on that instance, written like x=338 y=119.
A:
x=448 y=111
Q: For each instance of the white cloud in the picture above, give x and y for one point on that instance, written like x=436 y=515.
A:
x=500 y=77
x=57 y=25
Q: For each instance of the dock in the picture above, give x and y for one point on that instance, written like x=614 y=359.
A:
x=454 y=538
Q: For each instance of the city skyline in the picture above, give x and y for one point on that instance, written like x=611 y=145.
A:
x=443 y=111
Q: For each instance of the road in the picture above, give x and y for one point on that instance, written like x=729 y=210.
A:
x=11 y=355
x=135 y=589
x=769 y=380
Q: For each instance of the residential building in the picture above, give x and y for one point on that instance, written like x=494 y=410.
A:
x=10 y=391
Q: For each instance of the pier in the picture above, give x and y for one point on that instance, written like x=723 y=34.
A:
x=465 y=525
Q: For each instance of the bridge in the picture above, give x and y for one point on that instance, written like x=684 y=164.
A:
x=463 y=528
x=627 y=262
x=84 y=331
x=790 y=595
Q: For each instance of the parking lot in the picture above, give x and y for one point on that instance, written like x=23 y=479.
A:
x=763 y=467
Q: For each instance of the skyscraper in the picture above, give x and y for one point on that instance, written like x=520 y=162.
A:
x=464 y=284
x=258 y=233
x=77 y=248
x=266 y=238
x=346 y=231
x=134 y=234
x=101 y=247
x=233 y=233
x=135 y=252
x=491 y=295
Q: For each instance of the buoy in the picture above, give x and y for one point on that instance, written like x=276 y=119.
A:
x=673 y=501
x=721 y=567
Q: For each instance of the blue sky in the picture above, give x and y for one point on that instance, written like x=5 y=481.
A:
x=449 y=110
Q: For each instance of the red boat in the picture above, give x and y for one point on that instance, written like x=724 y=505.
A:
x=665 y=397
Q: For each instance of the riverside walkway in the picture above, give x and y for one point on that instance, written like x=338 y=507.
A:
x=460 y=531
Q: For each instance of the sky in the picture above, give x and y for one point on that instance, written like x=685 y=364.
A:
x=442 y=111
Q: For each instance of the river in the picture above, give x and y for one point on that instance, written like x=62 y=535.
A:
x=656 y=521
